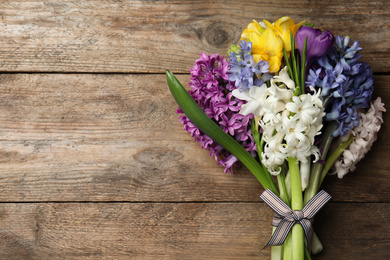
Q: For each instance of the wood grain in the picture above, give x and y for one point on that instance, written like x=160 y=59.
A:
x=179 y=231
x=94 y=163
x=83 y=137
x=152 y=36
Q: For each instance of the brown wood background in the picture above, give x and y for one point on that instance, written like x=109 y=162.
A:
x=94 y=163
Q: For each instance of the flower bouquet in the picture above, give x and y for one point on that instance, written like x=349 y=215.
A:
x=292 y=104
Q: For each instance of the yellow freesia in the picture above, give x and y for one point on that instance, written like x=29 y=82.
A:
x=282 y=28
x=254 y=27
x=268 y=43
x=267 y=46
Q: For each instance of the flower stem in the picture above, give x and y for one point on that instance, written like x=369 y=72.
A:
x=276 y=251
x=307 y=255
x=297 y=233
x=288 y=185
x=297 y=243
x=296 y=191
x=287 y=248
x=293 y=60
x=303 y=67
x=305 y=173
x=333 y=157
x=281 y=177
x=316 y=245
x=315 y=177
x=289 y=71
x=259 y=141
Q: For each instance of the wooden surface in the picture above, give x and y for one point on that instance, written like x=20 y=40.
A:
x=95 y=164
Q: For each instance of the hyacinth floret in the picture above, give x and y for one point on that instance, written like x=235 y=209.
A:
x=289 y=123
x=347 y=82
x=211 y=89
x=244 y=72
x=365 y=134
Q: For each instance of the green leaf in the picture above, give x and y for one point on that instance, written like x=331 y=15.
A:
x=294 y=61
x=303 y=66
x=259 y=142
x=211 y=129
x=289 y=70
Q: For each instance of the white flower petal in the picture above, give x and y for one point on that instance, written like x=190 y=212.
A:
x=283 y=77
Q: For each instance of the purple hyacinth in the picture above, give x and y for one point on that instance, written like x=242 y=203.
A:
x=345 y=82
x=244 y=71
x=211 y=89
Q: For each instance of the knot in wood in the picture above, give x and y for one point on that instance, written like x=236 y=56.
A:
x=216 y=34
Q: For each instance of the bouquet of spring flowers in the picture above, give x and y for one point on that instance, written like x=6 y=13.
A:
x=292 y=104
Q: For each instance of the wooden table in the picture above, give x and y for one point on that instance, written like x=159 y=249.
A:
x=95 y=164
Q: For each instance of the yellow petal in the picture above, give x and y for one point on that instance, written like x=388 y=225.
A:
x=254 y=27
x=287 y=42
x=259 y=57
x=245 y=34
x=285 y=24
x=287 y=38
x=274 y=64
x=256 y=44
x=271 y=43
x=297 y=26
x=273 y=28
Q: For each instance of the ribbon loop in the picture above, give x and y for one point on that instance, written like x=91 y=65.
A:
x=285 y=217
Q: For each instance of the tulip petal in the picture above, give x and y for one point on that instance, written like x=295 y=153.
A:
x=305 y=31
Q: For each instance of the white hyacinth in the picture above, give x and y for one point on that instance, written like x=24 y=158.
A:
x=365 y=135
x=289 y=122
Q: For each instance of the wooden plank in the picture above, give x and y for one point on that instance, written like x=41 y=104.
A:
x=83 y=137
x=179 y=231
x=354 y=231
x=152 y=36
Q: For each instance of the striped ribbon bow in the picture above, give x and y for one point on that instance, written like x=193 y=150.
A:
x=285 y=217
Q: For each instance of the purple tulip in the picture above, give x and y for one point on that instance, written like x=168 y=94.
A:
x=318 y=44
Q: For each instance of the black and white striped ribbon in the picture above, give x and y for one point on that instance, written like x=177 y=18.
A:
x=285 y=217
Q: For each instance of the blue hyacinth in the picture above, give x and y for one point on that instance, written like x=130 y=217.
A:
x=348 y=83
x=244 y=71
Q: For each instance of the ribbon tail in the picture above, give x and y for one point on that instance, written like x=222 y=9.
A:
x=280 y=233
x=276 y=220
x=307 y=227
x=309 y=211
x=315 y=204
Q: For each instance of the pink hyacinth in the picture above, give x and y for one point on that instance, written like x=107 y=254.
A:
x=365 y=135
x=211 y=89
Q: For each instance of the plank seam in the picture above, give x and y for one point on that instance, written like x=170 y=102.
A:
x=122 y=73
x=173 y=202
